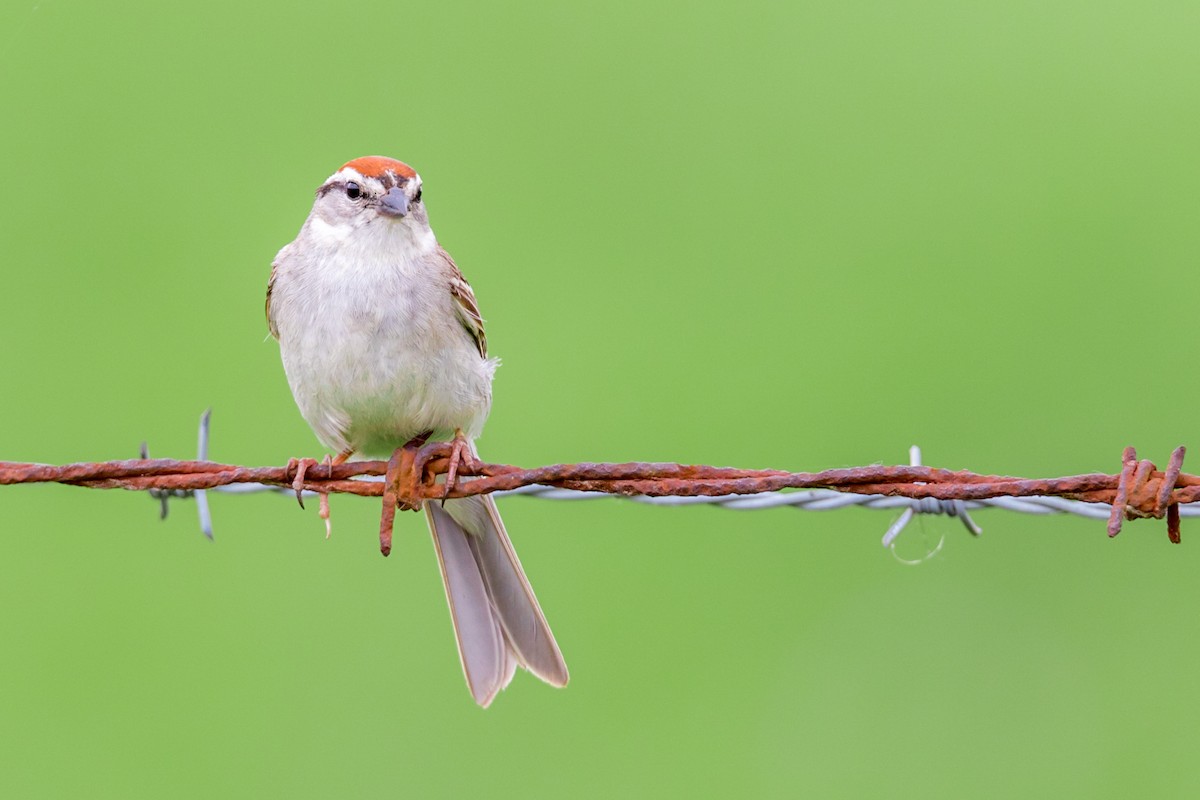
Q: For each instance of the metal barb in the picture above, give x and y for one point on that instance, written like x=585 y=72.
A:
x=206 y=526
x=163 y=495
x=928 y=505
x=1142 y=491
x=159 y=494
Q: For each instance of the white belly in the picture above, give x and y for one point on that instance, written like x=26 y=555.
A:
x=375 y=354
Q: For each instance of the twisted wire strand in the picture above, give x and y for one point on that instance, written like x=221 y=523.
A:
x=1139 y=491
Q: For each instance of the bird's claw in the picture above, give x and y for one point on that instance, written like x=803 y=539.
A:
x=323 y=506
x=461 y=455
x=301 y=465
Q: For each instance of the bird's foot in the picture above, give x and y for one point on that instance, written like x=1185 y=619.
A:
x=461 y=455
x=330 y=462
x=301 y=466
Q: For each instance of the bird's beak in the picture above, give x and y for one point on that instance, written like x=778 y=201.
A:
x=394 y=203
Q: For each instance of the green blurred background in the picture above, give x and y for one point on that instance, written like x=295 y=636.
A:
x=762 y=234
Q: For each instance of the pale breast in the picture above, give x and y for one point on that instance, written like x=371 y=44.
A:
x=375 y=353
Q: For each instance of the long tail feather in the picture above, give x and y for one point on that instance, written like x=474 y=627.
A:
x=485 y=659
x=497 y=619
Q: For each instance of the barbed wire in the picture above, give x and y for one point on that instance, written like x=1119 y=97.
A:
x=412 y=476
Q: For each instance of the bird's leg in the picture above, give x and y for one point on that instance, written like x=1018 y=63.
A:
x=460 y=455
x=407 y=479
x=399 y=487
x=330 y=463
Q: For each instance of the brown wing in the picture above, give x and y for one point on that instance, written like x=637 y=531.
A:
x=270 y=287
x=464 y=303
x=279 y=257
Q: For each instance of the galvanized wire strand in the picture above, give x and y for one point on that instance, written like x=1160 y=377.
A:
x=802 y=500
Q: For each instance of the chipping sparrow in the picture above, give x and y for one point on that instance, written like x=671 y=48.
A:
x=382 y=342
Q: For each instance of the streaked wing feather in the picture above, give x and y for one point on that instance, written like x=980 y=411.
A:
x=271 y=288
x=465 y=304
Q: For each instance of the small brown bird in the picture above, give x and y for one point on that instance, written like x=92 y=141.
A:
x=382 y=342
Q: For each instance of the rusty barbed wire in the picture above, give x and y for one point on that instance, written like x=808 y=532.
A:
x=1139 y=490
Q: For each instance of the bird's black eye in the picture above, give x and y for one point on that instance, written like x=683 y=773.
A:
x=417 y=196
x=353 y=190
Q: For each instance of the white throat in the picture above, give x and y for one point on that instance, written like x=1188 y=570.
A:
x=378 y=235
